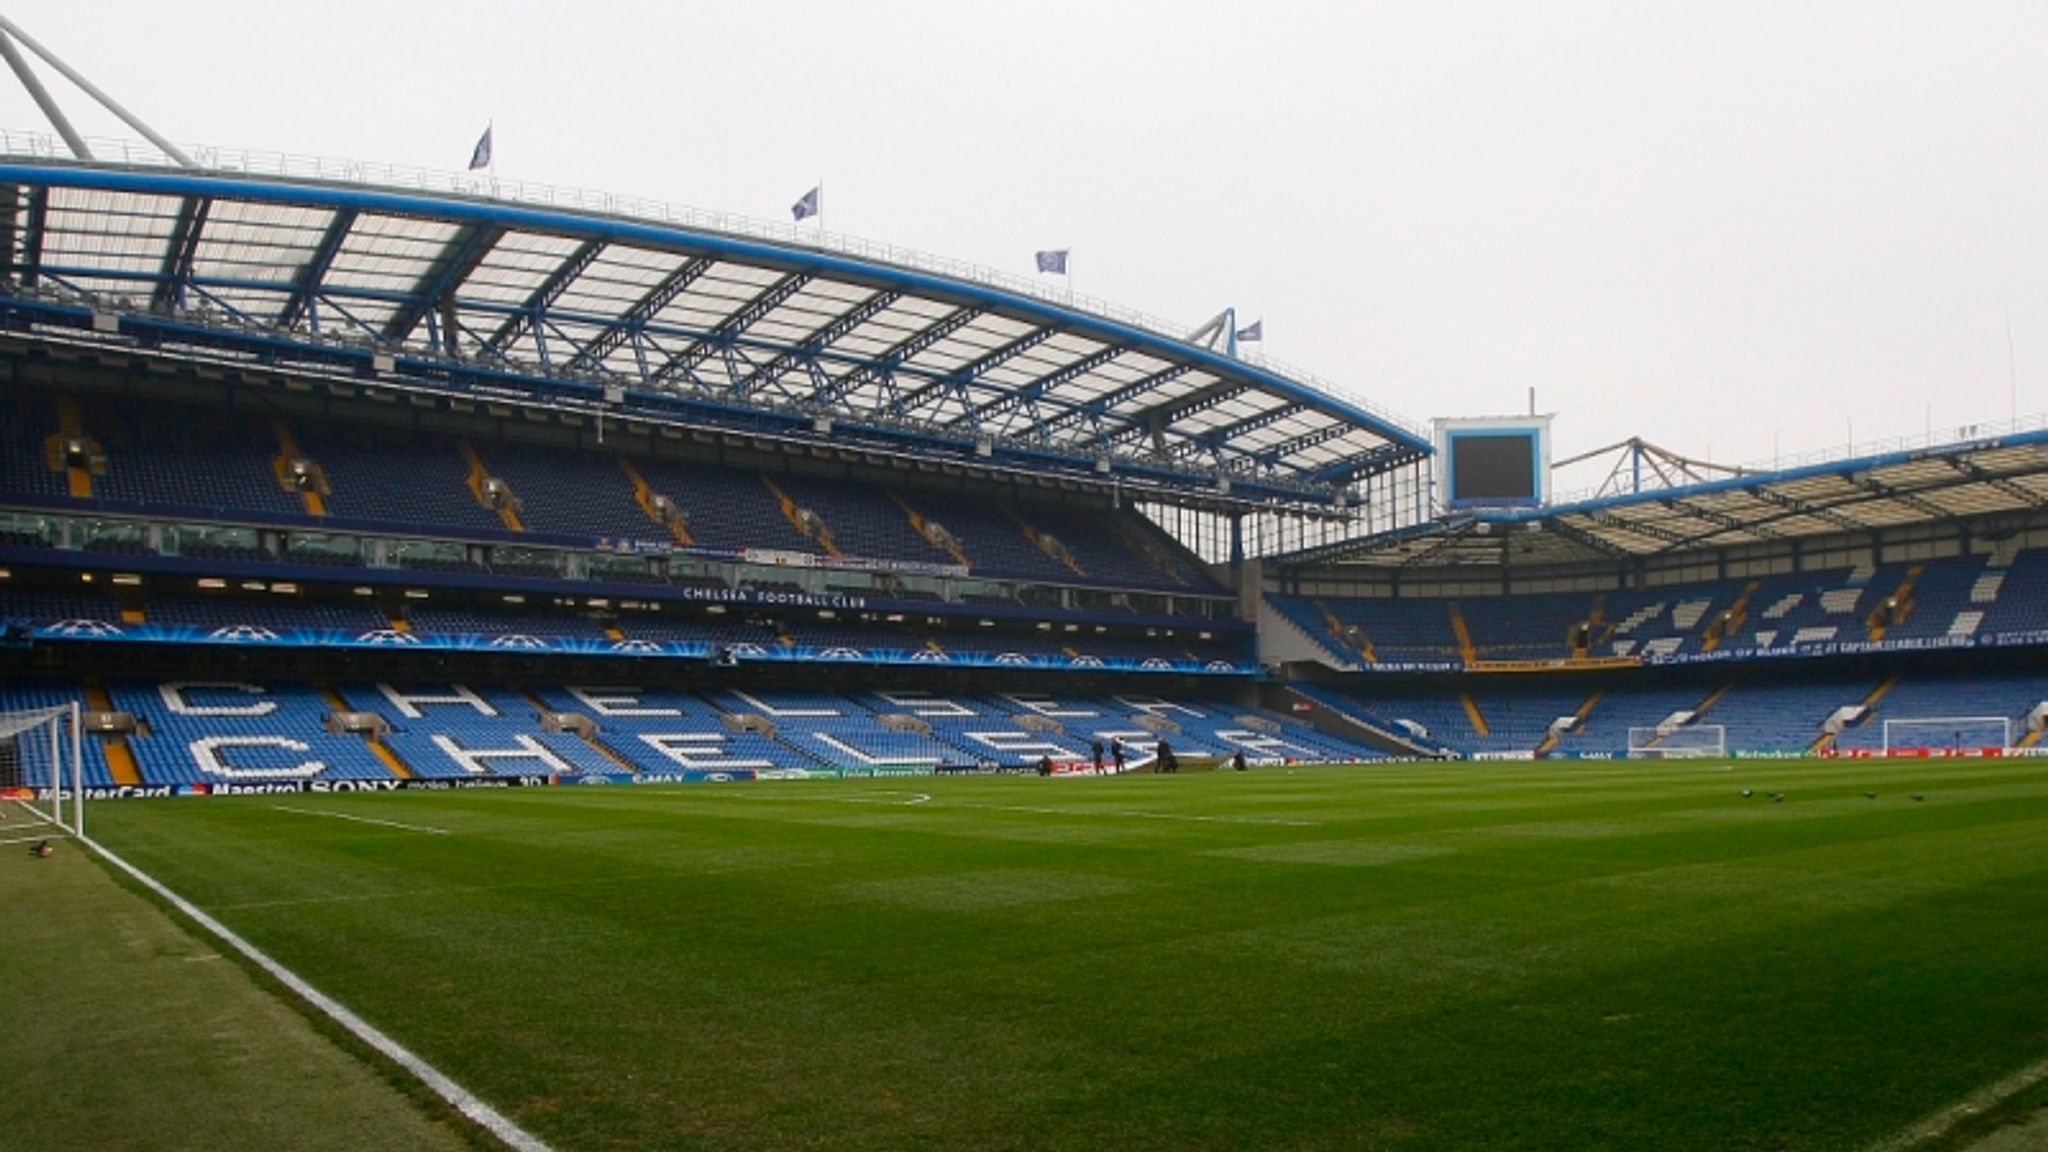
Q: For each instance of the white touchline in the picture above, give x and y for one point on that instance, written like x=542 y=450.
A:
x=1942 y=1122
x=465 y=1101
x=363 y=820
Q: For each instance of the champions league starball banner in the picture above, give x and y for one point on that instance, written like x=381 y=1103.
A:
x=250 y=635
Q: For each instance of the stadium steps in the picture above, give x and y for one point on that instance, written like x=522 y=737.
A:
x=1870 y=701
x=1732 y=620
x=1894 y=609
x=1466 y=650
x=1472 y=713
x=378 y=748
x=120 y=758
x=644 y=496
x=807 y=523
x=1712 y=699
x=1584 y=710
x=1049 y=545
x=507 y=508
x=77 y=477
x=2031 y=738
x=1363 y=645
x=314 y=494
x=944 y=541
x=589 y=737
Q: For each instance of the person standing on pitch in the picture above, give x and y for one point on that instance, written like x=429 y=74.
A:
x=1098 y=755
x=1116 y=751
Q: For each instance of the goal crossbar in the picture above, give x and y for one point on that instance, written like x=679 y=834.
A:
x=42 y=769
x=1676 y=741
x=1946 y=733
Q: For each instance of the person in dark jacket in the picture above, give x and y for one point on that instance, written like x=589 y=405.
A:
x=1237 y=761
x=1098 y=755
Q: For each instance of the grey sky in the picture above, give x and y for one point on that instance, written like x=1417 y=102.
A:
x=1705 y=224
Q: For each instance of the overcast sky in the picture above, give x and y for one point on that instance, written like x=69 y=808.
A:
x=1734 y=229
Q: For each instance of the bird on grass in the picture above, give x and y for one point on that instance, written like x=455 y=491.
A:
x=1747 y=792
x=1918 y=797
x=1870 y=795
x=1777 y=797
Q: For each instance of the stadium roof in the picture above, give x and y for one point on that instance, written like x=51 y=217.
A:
x=709 y=320
x=1957 y=484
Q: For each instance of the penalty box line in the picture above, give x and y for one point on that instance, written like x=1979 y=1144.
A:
x=363 y=820
x=463 y=1100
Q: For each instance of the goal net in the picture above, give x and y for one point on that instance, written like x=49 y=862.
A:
x=1946 y=735
x=1675 y=742
x=41 y=775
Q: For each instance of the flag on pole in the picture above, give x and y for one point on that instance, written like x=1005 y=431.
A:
x=810 y=203
x=480 y=156
x=1053 y=260
x=1255 y=331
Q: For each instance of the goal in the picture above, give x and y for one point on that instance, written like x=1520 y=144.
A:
x=1946 y=735
x=1679 y=741
x=42 y=773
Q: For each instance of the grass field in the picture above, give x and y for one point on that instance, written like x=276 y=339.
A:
x=1614 y=955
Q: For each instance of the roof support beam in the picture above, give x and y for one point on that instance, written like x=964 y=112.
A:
x=435 y=291
x=1608 y=519
x=721 y=338
x=626 y=326
x=1583 y=538
x=1913 y=500
x=959 y=378
x=1977 y=472
x=1030 y=392
x=306 y=282
x=176 y=272
x=1095 y=410
x=34 y=226
x=882 y=368
x=820 y=338
x=1151 y=421
x=1797 y=507
x=1224 y=434
x=533 y=316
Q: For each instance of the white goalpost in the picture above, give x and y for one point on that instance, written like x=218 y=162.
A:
x=42 y=772
x=1952 y=735
x=1678 y=742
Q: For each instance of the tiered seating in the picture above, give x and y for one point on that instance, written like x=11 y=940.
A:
x=1780 y=717
x=836 y=731
x=725 y=509
x=452 y=731
x=239 y=733
x=570 y=494
x=390 y=476
x=1925 y=697
x=863 y=521
x=151 y=448
x=672 y=733
x=27 y=696
x=2020 y=602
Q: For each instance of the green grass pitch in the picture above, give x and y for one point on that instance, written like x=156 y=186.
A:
x=1624 y=955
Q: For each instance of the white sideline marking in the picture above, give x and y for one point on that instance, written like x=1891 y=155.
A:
x=465 y=1101
x=363 y=820
x=37 y=836
x=1943 y=1122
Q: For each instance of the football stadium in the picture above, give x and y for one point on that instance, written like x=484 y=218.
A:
x=498 y=667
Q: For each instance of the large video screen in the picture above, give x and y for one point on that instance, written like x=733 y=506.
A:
x=1493 y=468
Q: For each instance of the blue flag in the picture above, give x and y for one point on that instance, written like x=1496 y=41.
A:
x=480 y=156
x=1053 y=260
x=808 y=206
x=1256 y=331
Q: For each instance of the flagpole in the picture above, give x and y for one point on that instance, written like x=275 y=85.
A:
x=821 y=210
x=491 y=161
